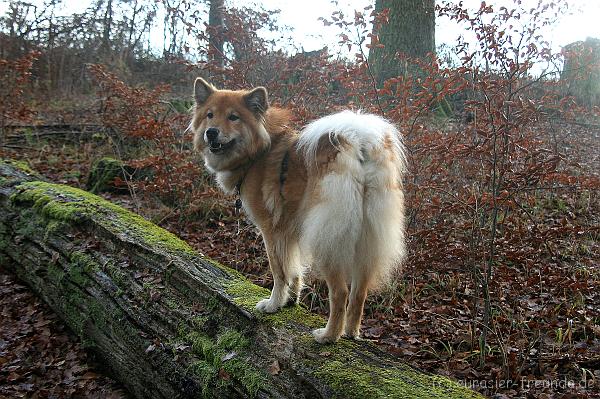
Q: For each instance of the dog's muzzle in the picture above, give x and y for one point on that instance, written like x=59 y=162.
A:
x=214 y=145
x=212 y=133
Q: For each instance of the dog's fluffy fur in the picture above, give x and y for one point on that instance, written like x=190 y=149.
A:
x=329 y=198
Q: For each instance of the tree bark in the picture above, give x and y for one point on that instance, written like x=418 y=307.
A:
x=580 y=76
x=108 y=22
x=216 y=36
x=410 y=31
x=171 y=323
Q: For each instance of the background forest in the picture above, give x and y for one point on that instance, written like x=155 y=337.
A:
x=501 y=289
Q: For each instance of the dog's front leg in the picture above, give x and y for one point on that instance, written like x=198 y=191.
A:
x=280 y=292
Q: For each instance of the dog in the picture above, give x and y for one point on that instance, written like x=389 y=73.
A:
x=330 y=197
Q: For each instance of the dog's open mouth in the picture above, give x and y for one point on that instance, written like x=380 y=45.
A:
x=219 y=148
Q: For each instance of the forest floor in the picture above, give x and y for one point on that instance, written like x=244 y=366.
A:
x=546 y=329
x=39 y=357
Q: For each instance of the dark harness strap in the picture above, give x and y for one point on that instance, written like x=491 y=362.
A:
x=282 y=178
x=238 y=201
x=283 y=171
x=238 y=193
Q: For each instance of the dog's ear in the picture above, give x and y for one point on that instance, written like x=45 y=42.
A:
x=257 y=100
x=202 y=90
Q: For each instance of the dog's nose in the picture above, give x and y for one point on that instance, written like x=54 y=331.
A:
x=212 y=133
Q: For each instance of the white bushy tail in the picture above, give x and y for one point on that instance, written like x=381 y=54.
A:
x=363 y=131
x=358 y=224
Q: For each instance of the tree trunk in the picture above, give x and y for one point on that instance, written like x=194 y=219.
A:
x=410 y=31
x=171 y=323
x=216 y=32
x=108 y=20
x=581 y=73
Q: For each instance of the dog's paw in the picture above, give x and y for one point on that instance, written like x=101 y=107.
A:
x=353 y=335
x=267 y=306
x=291 y=302
x=322 y=337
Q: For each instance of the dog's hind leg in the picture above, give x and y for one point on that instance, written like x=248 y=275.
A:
x=338 y=296
x=354 y=311
x=296 y=287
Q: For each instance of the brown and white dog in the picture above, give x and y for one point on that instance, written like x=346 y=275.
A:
x=330 y=197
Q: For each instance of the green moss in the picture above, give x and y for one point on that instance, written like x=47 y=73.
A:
x=202 y=345
x=247 y=294
x=80 y=267
x=82 y=313
x=84 y=261
x=244 y=372
x=55 y=273
x=171 y=304
x=15 y=171
x=198 y=321
x=74 y=316
x=356 y=379
x=206 y=374
x=77 y=276
x=103 y=174
x=352 y=375
x=226 y=352
x=118 y=277
x=63 y=203
x=23 y=166
x=52 y=227
x=232 y=339
x=212 y=303
x=97 y=314
x=26 y=225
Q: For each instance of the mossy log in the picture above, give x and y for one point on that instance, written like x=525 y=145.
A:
x=171 y=323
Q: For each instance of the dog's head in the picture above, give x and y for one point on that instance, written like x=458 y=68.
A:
x=229 y=128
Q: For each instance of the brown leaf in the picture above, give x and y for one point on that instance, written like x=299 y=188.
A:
x=90 y=375
x=224 y=375
x=274 y=368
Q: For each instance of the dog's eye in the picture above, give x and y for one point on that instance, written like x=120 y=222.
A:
x=209 y=115
x=233 y=117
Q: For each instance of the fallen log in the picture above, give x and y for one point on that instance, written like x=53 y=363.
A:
x=171 y=323
x=25 y=132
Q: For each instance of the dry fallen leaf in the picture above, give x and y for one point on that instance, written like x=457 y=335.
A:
x=224 y=375
x=274 y=368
